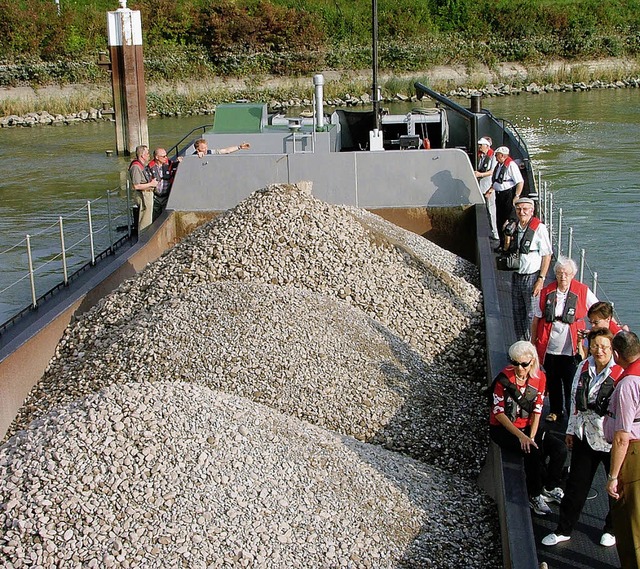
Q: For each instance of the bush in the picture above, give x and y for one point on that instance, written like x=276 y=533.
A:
x=198 y=38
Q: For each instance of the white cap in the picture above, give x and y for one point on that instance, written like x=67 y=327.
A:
x=484 y=141
x=502 y=150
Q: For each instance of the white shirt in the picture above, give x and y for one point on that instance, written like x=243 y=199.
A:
x=560 y=343
x=512 y=177
x=540 y=246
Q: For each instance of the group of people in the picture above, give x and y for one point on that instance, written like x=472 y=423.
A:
x=592 y=375
x=152 y=178
x=603 y=428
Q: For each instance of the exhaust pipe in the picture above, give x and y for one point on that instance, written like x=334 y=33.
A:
x=318 y=82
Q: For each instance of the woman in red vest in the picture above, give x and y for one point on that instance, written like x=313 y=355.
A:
x=558 y=318
x=514 y=423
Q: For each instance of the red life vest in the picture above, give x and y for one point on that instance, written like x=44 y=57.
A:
x=518 y=407
x=575 y=310
x=499 y=173
x=527 y=238
x=633 y=369
x=484 y=163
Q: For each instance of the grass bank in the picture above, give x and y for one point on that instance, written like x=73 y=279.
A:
x=171 y=97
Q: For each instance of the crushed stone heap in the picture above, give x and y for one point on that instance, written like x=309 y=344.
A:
x=323 y=313
x=285 y=237
x=177 y=475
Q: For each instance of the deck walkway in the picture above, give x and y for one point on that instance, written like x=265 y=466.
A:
x=583 y=550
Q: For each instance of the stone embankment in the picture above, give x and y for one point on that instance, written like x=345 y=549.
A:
x=295 y=384
x=44 y=118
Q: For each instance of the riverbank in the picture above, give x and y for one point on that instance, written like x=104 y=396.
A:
x=67 y=104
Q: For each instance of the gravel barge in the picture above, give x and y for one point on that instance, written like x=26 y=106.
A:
x=296 y=383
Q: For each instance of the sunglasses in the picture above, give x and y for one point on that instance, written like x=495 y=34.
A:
x=521 y=364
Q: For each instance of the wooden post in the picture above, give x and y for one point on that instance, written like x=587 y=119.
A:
x=127 y=78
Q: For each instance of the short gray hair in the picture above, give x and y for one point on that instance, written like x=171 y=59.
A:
x=525 y=350
x=565 y=263
x=140 y=150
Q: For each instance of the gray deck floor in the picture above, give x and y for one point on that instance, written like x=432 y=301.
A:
x=583 y=550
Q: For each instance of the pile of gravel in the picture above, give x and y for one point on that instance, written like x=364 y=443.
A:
x=323 y=313
x=154 y=327
x=312 y=357
x=177 y=475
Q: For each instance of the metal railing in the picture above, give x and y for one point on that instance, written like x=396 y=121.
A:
x=50 y=258
x=555 y=222
x=94 y=231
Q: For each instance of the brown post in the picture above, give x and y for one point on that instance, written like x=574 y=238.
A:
x=124 y=27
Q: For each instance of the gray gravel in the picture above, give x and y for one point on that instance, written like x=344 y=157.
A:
x=178 y=475
x=326 y=314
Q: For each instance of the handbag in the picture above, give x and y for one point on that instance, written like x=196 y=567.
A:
x=508 y=261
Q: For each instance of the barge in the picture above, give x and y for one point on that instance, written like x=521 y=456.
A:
x=367 y=155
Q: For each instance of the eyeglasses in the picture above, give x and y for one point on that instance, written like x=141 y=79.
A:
x=596 y=348
x=595 y=322
x=162 y=155
x=521 y=364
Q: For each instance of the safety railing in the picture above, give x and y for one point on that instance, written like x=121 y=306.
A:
x=47 y=260
x=562 y=240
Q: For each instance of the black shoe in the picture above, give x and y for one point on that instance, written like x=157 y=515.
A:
x=499 y=249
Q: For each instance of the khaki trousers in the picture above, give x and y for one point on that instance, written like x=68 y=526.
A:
x=145 y=200
x=626 y=510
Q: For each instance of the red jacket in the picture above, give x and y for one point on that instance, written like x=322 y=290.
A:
x=573 y=316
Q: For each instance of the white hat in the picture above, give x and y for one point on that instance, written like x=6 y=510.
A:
x=502 y=150
x=525 y=200
x=484 y=141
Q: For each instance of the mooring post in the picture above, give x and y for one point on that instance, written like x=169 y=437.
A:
x=124 y=27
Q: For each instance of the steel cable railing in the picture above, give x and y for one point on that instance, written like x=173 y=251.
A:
x=96 y=226
x=563 y=242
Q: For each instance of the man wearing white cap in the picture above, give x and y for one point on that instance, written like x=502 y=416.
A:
x=531 y=241
x=507 y=182
x=486 y=164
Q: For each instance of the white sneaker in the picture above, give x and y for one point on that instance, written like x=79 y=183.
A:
x=554 y=495
x=553 y=539
x=539 y=506
x=607 y=539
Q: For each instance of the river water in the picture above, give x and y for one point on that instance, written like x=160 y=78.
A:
x=585 y=144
